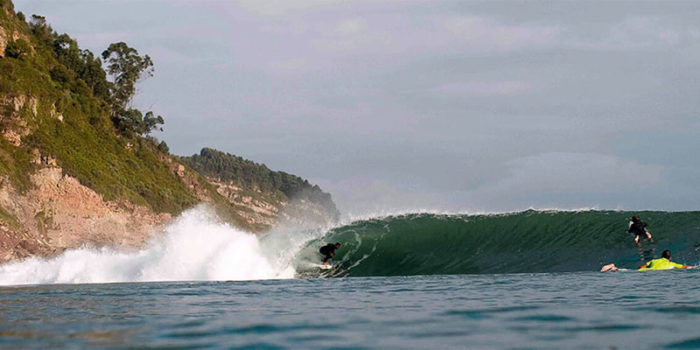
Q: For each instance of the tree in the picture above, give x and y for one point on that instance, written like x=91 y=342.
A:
x=83 y=63
x=41 y=29
x=126 y=67
x=67 y=52
x=132 y=122
x=163 y=147
x=61 y=74
x=95 y=76
x=127 y=121
x=39 y=21
x=150 y=123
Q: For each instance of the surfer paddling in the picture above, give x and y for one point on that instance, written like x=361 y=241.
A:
x=328 y=251
x=663 y=263
x=639 y=229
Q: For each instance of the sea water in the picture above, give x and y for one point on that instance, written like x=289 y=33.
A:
x=582 y=310
x=524 y=280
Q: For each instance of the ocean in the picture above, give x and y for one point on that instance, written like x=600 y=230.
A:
x=526 y=280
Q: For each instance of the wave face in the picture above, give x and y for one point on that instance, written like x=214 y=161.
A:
x=198 y=247
x=530 y=241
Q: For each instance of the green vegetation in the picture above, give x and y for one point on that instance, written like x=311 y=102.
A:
x=126 y=66
x=112 y=167
x=256 y=177
x=75 y=120
x=65 y=104
x=18 y=49
x=15 y=162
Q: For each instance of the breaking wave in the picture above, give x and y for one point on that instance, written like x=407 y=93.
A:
x=197 y=246
x=529 y=241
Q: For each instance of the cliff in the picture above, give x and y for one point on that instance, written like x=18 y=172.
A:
x=77 y=166
x=275 y=197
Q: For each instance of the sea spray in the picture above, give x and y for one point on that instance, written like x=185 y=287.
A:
x=196 y=246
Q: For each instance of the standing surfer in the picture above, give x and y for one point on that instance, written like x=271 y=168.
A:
x=328 y=251
x=639 y=228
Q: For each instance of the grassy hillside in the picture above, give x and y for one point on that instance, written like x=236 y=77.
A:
x=72 y=122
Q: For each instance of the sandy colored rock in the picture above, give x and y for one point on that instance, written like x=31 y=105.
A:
x=12 y=137
x=12 y=123
x=299 y=213
x=3 y=41
x=59 y=213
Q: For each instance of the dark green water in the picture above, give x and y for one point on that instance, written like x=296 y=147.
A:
x=585 y=310
x=530 y=241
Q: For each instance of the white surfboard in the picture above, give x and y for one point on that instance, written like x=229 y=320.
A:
x=325 y=267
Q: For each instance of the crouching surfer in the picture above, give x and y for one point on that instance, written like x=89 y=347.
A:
x=639 y=228
x=662 y=263
x=328 y=251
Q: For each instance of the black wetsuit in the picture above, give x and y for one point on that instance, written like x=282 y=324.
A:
x=639 y=229
x=328 y=251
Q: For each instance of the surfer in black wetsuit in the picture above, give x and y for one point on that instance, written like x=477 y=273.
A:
x=639 y=228
x=328 y=251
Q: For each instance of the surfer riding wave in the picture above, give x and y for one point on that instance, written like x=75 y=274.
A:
x=639 y=229
x=328 y=251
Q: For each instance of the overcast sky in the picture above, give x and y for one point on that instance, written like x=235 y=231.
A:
x=442 y=105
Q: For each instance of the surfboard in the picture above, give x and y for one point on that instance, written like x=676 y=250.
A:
x=325 y=267
x=618 y=270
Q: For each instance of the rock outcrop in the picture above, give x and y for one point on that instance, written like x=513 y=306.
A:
x=261 y=195
x=257 y=208
x=59 y=213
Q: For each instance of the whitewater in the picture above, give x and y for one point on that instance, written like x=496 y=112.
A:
x=197 y=246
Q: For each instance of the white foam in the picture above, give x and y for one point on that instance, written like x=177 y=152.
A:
x=389 y=213
x=195 y=246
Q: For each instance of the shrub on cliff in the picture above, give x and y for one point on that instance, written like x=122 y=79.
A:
x=18 y=49
x=61 y=74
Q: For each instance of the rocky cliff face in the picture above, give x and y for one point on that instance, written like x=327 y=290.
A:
x=261 y=195
x=252 y=209
x=6 y=37
x=59 y=213
x=259 y=208
x=69 y=179
x=54 y=211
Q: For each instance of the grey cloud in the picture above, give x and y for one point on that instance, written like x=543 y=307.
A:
x=451 y=104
